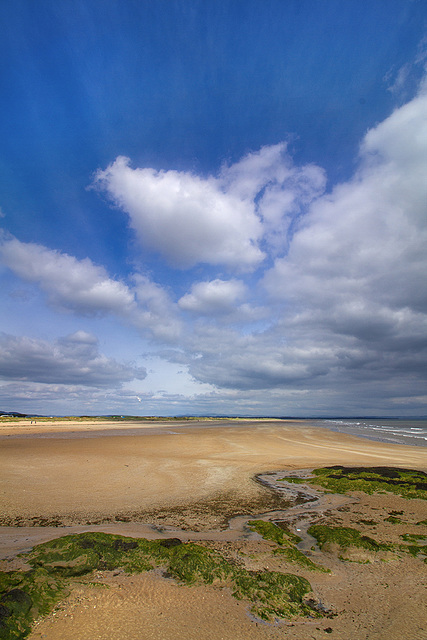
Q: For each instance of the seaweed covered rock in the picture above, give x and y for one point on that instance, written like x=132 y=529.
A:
x=349 y=543
x=408 y=483
x=24 y=596
x=170 y=542
x=274 y=594
x=28 y=594
x=16 y=600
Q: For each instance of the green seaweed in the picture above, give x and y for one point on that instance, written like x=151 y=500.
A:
x=344 y=537
x=292 y=554
x=25 y=595
x=275 y=595
x=413 y=537
x=192 y=563
x=407 y=483
x=393 y=520
x=270 y=531
x=293 y=480
x=75 y=555
x=413 y=549
x=293 y=537
x=278 y=533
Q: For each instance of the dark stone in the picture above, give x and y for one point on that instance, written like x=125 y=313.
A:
x=167 y=575
x=170 y=542
x=123 y=545
x=310 y=602
x=17 y=599
x=319 y=606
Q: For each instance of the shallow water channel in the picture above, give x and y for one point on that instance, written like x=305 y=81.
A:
x=309 y=504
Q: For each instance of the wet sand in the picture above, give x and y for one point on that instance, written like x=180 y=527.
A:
x=74 y=473
x=191 y=478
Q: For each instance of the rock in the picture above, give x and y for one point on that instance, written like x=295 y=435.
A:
x=170 y=542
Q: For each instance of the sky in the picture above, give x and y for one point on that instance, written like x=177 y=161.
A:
x=213 y=208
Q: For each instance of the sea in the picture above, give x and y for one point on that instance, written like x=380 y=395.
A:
x=397 y=430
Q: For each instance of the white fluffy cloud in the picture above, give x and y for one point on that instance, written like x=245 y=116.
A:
x=213 y=297
x=86 y=289
x=215 y=220
x=350 y=296
x=279 y=189
x=72 y=360
x=186 y=218
x=363 y=245
x=71 y=284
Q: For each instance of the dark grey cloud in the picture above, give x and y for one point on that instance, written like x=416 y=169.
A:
x=72 y=360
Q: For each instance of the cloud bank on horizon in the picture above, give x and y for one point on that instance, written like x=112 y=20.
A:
x=260 y=287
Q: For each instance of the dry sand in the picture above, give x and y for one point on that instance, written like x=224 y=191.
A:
x=194 y=476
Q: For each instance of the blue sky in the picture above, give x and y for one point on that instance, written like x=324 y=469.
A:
x=213 y=207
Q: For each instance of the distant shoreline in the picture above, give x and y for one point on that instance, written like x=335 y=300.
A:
x=412 y=432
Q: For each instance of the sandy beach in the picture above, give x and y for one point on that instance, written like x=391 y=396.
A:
x=149 y=479
x=79 y=472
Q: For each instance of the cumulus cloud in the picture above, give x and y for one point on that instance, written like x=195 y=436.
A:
x=365 y=242
x=186 y=218
x=84 y=288
x=213 y=297
x=155 y=310
x=215 y=220
x=279 y=189
x=72 y=360
x=71 y=284
x=350 y=294
x=343 y=292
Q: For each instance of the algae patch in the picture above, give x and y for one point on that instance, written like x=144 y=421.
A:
x=407 y=483
x=344 y=537
x=283 y=539
x=26 y=595
x=417 y=544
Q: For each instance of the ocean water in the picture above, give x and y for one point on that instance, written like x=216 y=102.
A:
x=398 y=431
